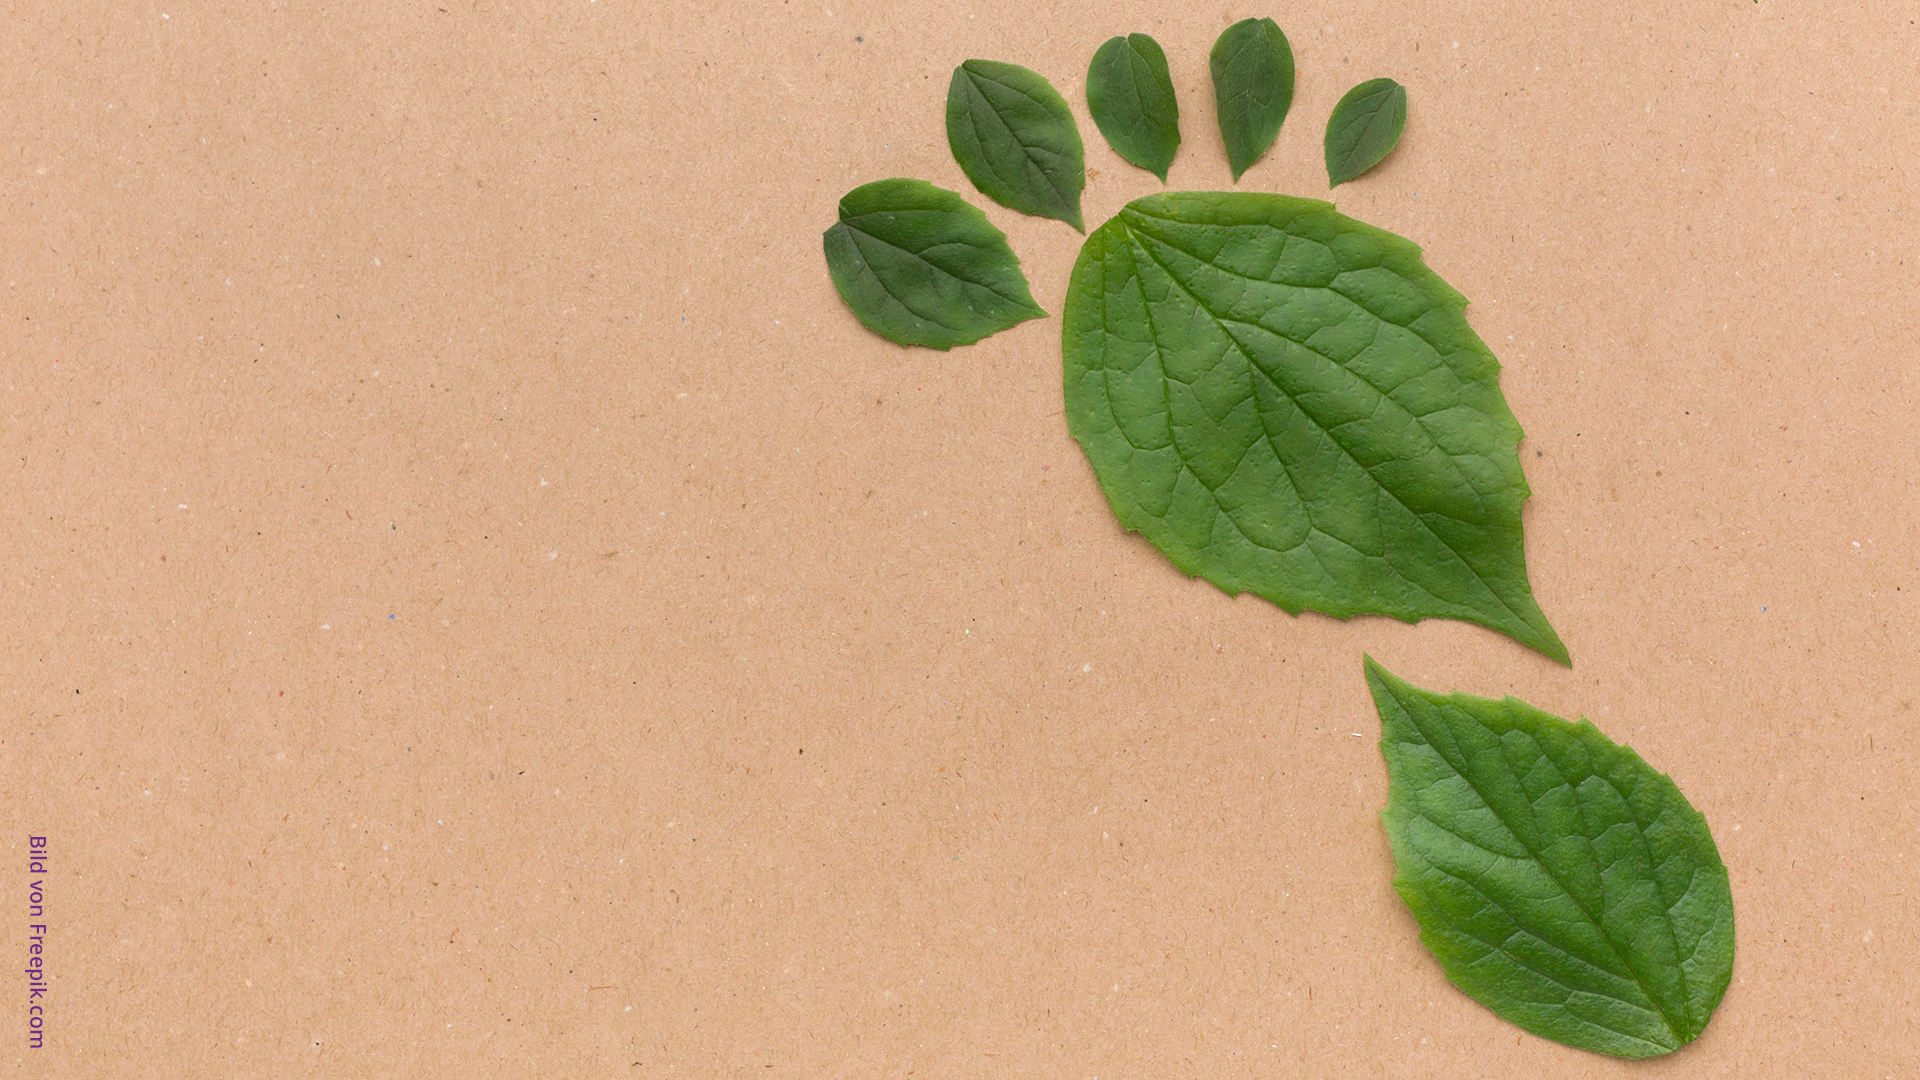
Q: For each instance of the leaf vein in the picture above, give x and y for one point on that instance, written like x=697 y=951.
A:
x=1666 y=1016
x=1221 y=321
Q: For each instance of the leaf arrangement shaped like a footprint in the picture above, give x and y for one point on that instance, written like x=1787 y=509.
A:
x=1282 y=399
x=1289 y=402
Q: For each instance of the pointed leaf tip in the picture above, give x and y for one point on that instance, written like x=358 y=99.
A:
x=1559 y=879
x=1252 y=68
x=1015 y=138
x=1130 y=94
x=1364 y=128
x=1287 y=401
x=920 y=266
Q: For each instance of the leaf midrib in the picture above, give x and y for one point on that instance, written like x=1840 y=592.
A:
x=1666 y=1017
x=1549 y=976
x=1419 y=418
x=1256 y=38
x=1213 y=494
x=1027 y=149
x=1220 y=322
x=1143 y=72
x=1366 y=110
x=1135 y=209
x=1023 y=305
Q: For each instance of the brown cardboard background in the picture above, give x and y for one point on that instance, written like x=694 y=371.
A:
x=475 y=602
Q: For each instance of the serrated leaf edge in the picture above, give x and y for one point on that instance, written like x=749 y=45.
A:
x=1541 y=636
x=1385 y=684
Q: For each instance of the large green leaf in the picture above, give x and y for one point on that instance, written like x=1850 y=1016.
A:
x=1015 y=138
x=1130 y=94
x=1287 y=401
x=1557 y=877
x=921 y=266
x=1252 y=67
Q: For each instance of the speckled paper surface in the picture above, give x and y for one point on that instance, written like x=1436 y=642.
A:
x=473 y=601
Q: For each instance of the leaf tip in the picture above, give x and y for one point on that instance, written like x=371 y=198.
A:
x=1384 y=684
x=1549 y=645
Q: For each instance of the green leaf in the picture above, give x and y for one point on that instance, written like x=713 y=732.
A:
x=922 y=267
x=1130 y=93
x=1013 y=134
x=1287 y=401
x=1252 y=88
x=1559 y=879
x=1364 y=128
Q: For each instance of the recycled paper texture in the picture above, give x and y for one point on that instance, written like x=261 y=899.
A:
x=474 y=601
